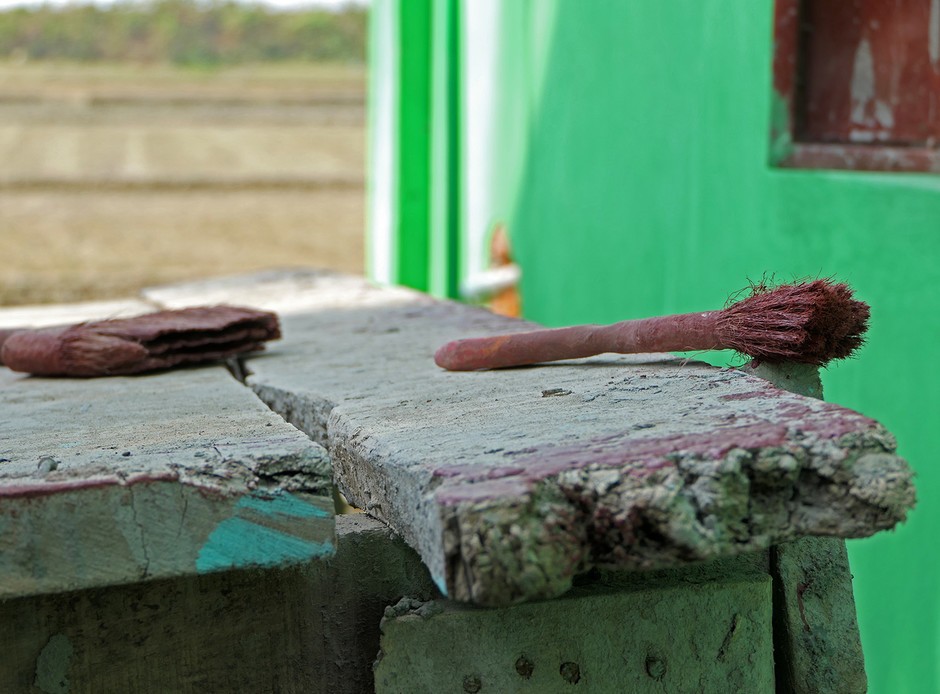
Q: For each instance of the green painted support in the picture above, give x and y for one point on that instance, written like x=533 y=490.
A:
x=445 y=150
x=414 y=106
x=615 y=633
x=399 y=153
x=415 y=148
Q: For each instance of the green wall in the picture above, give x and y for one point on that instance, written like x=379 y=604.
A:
x=631 y=159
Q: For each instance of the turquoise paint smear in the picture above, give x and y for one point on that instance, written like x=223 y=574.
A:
x=239 y=543
x=441 y=584
x=281 y=504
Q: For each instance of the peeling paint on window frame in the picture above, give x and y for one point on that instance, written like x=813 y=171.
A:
x=787 y=150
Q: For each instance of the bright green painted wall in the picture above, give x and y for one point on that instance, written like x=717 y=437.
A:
x=645 y=188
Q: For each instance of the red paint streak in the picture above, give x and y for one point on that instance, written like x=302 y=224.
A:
x=468 y=491
x=641 y=458
x=144 y=477
x=745 y=396
x=477 y=472
x=635 y=458
x=825 y=420
x=42 y=489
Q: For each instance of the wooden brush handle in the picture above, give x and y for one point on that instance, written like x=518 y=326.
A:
x=4 y=334
x=679 y=333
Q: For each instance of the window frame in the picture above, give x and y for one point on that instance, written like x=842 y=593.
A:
x=787 y=151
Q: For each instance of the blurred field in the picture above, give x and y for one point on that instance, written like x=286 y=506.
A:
x=116 y=177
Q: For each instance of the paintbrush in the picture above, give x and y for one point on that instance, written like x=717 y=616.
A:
x=148 y=342
x=809 y=322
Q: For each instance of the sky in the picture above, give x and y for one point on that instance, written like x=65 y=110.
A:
x=7 y=4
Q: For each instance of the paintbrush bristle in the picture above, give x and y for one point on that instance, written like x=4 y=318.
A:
x=149 y=342
x=86 y=352
x=811 y=322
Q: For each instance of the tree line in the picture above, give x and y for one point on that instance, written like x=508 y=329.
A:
x=183 y=32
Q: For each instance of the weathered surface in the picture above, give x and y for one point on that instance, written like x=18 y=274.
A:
x=815 y=625
x=615 y=635
x=817 y=646
x=510 y=482
x=116 y=480
x=300 y=629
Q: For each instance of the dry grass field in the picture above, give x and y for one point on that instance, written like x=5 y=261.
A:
x=113 y=178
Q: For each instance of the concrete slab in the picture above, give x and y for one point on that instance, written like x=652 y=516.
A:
x=597 y=638
x=508 y=483
x=114 y=480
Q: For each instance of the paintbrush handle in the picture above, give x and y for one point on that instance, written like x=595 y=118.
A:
x=678 y=333
x=4 y=334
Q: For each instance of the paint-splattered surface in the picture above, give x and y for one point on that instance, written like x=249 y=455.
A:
x=510 y=482
x=120 y=479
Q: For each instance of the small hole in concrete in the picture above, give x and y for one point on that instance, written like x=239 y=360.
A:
x=570 y=672
x=655 y=667
x=524 y=667
x=472 y=684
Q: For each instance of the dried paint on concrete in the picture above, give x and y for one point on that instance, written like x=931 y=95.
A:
x=509 y=483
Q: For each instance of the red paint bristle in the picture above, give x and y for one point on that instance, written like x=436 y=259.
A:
x=811 y=322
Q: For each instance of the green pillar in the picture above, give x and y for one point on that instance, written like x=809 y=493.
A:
x=445 y=183
x=413 y=128
x=414 y=196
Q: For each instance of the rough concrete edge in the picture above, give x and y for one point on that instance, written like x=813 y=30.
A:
x=830 y=660
x=522 y=557
x=700 y=509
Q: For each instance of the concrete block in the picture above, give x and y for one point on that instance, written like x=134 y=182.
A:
x=684 y=631
x=292 y=630
x=816 y=630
